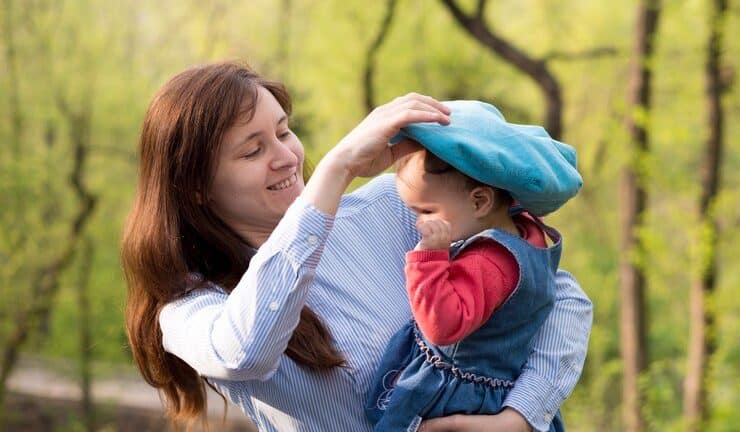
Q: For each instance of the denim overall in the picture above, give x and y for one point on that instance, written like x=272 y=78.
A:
x=417 y=380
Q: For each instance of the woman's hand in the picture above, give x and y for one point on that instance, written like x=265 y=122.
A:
x=365 y=152
x=508 y=420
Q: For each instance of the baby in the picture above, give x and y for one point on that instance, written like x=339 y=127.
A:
x=481 y=280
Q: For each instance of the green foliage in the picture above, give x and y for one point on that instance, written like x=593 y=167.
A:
x=114 y=55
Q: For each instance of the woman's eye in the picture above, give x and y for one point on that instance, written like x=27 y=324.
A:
x=284 y=135
x=252 y=153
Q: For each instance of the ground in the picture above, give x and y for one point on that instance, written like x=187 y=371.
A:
x=45 y=397
x=37 y=414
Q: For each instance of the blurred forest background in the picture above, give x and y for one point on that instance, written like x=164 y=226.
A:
x=645 y=90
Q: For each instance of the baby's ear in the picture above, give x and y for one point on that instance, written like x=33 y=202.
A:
x=482 y=200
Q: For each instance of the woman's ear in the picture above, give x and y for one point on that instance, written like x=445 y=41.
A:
x=481 y=198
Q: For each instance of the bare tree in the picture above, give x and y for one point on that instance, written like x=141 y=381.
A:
x=592 y=53
x=537 y=69
x=45 y=281
x=17 y=238
x=372 y=52
x=633 y=205
x=283 y=43
x=86 y=346
x=16 y=119
x=702 y=324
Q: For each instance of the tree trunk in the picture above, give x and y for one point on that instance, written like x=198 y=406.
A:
x=633 y=202
x=372 y=52
x=282 y=52
x=702 y=343
x=45 y=282
x=17 y=235
x=534 y=68
x=16 y=119
x=86 y=345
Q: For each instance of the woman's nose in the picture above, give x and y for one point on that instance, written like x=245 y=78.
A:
x=283 y=156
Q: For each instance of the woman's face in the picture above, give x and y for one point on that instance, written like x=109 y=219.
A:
x=258 y=171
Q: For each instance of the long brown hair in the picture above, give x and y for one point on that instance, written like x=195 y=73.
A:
x=173 y=243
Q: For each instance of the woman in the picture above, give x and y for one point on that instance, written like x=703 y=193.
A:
x=222 y=250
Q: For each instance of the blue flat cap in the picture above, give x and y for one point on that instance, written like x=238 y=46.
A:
x=535 y=169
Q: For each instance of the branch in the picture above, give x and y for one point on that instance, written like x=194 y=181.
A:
x=45 y=282
x=283 y=48
x=115 y=152
x=16 y=117
x=481 y=9
x=534 y=68
x=372 y=52
x=478 y=29
x=583 y=55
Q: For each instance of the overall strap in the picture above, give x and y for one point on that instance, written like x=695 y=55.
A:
x=551 y=232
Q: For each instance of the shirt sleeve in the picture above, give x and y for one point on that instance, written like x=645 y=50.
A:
x=242 y=335
x=452 y=299
x=556 y=361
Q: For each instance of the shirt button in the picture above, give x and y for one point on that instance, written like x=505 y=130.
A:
x=312 y=239
x=274 y=306
x=548 y=417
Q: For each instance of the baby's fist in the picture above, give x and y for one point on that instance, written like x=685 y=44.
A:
x=435 y=234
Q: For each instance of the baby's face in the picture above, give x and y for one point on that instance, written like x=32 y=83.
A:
x=434 y=196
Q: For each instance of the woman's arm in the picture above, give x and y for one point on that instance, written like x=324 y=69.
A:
x=558 y=353
x=507 y=420
x=242 y=335
x=365 y=151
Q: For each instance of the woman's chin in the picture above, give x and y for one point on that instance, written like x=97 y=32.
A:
x=287 y=195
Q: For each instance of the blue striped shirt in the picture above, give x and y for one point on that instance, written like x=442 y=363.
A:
x=349 y=269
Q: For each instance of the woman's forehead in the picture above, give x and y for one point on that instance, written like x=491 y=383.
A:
x=261 y=105
x=265 y=114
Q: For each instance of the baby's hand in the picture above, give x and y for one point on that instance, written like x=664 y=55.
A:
x=435 y=234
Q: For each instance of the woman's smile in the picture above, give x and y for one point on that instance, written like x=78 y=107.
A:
x=284 y=184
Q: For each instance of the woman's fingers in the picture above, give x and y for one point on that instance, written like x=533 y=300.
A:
x=411 y=108
x=409 y=116
x=429 y=105
x=365 y=151
x=408 y=109
x=441 y=424
x=416 y=97
x=507 y=420
x=433 y=102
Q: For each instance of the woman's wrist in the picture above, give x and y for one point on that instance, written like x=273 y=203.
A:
x=508 y=420
x=515 y=420
x=328 y=183
x=336 y=164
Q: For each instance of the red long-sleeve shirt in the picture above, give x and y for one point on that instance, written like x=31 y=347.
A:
x=451 y=299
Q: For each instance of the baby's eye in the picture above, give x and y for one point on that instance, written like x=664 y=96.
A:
x=425 y=212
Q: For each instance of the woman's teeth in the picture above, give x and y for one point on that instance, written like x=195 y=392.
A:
x=285 y=183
